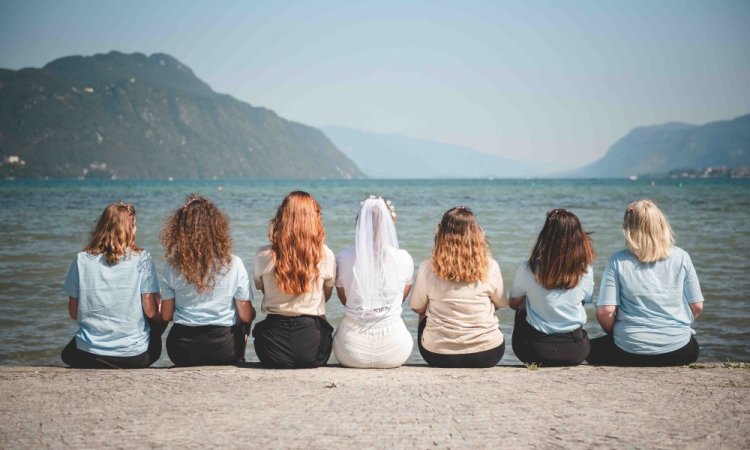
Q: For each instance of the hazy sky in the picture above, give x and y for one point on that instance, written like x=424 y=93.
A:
x=537 y=81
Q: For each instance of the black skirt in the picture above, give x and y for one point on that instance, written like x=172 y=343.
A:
x=206 y=344
x=293 y=342
x=559 y=349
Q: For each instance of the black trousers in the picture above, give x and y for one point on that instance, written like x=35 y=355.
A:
x=486 y=358
x=561 y=349
x=207 y=344
x=293 y=342
x=80 y=359
x=604 y=352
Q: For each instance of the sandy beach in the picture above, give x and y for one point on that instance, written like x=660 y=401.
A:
x=409 y=407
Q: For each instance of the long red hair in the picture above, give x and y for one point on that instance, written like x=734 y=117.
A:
x=297 y=237
x=113 y=234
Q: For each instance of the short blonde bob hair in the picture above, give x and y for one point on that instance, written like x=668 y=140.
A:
x=647 y=232
x=461 y=252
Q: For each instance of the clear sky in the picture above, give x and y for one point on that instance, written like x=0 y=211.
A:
x=550 y=82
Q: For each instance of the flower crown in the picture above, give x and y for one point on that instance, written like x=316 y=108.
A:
x=388 y=204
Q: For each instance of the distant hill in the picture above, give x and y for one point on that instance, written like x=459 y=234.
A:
x=137 y=116
x=396 y=156
x=661 y=148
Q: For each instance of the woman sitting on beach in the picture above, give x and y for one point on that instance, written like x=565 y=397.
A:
x=373 y=279
x=649 y=297
x=113 y=293
x=456 y=293
x=205 y=288
x=548 y=294
x=296 y=275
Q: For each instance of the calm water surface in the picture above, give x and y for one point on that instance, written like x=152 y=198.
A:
x=43 y=224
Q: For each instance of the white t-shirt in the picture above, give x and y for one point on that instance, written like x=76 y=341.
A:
x=392 y=299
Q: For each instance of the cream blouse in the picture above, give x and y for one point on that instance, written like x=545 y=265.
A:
x=460 y=316
x=276 y=301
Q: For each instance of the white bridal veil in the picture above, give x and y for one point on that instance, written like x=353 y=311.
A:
x=376 y=275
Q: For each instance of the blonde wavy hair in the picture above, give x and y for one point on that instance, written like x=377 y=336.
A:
x=648 y=235
x=113 y=234
x=197 y=242
x=461 y=252
x=297 y=237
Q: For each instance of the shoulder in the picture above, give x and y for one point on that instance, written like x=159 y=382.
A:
x=523 y=270
x=678 y=253
x=404 y=255
x=425 y=267
x=237 y=261
x=622 y=255
x=328 y=253
x=680 y=256
x=142 y=255
x=144 y=258
x=263 y=252
x=493 y=266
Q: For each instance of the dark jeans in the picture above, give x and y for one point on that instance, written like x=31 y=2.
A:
x=486 y=358
x=206 y=344
x=560 y=349
x=293 y=342
x=80 y=359
x=604 y=352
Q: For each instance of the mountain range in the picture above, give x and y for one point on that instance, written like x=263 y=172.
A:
x=659 y=149
x=121 y=115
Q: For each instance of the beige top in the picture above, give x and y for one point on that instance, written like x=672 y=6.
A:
x=276 y=301
x=460 y=316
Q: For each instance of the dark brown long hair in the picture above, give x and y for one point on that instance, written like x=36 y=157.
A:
x=197 y=242
x=297 y=237
x=113 y=234
x=562 y=253
x=461 y=252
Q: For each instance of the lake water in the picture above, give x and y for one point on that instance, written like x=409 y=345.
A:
x=43 y=224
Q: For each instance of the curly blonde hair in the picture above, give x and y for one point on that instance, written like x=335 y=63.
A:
x=297 y=237
x=197 y=242
x=113 y=234
x=461 y=252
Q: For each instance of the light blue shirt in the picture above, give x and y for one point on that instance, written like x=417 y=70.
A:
x=652 y=299
x=215 y=307
x=553 y=311
x=110 y=312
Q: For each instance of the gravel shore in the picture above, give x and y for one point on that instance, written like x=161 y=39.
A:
x=410 y=407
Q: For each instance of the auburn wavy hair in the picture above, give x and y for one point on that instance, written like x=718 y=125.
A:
x=461 y=252
x=197 y=242
x=113 y=234
x=297 y=237
x=562 y=253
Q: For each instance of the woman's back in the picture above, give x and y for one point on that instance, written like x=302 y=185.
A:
x=211 y=307
x=110 y=313
x=276 y=301
x=461 y=315
x=653 y=313
x=390 y=295
x=553 y=310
